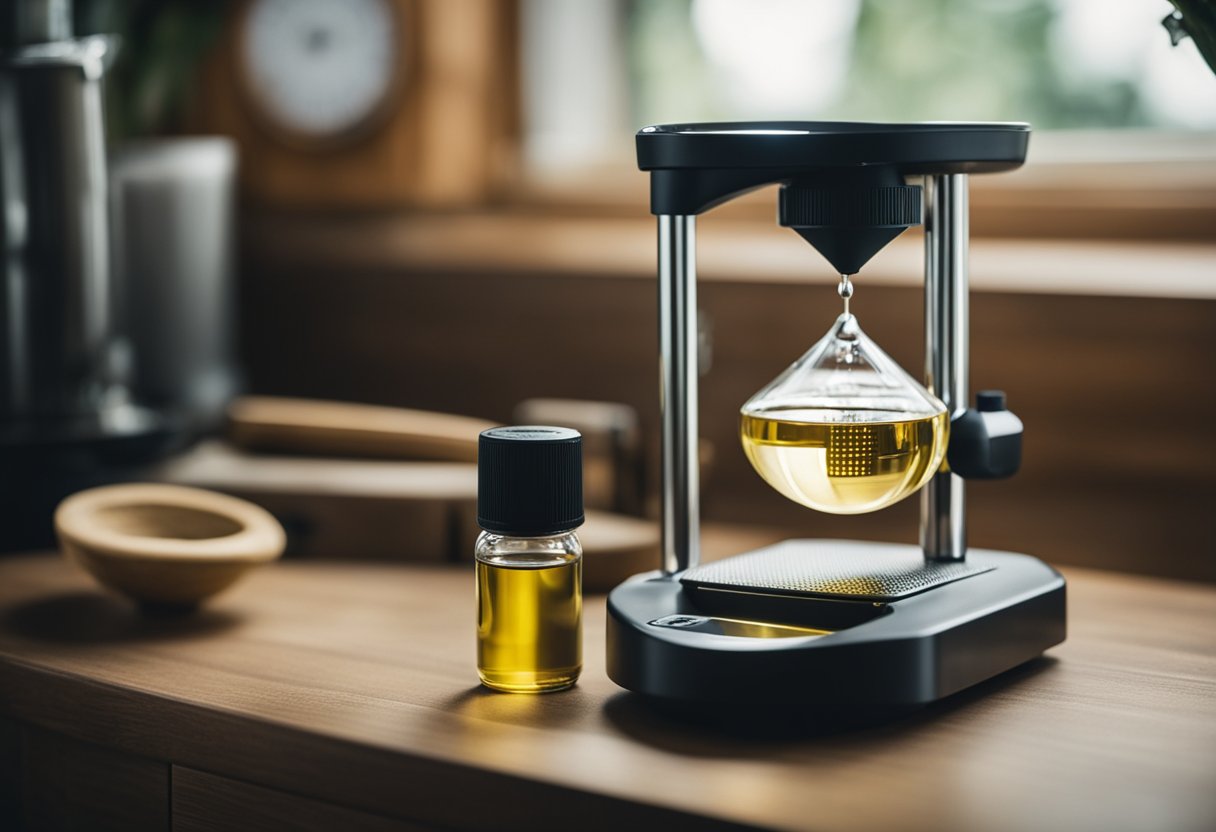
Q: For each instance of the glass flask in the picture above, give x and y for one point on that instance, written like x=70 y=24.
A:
x=845 y=430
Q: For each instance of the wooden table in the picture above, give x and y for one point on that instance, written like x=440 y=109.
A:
x=327 y=696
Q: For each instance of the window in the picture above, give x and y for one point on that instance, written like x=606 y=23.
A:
x=595 y=71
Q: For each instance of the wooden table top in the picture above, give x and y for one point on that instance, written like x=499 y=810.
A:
x=356 y=684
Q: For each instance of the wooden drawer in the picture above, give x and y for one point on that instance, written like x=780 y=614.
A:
x=49 y=781
x=208 y=803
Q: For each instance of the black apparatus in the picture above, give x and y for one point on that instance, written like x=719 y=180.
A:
x=828 y=623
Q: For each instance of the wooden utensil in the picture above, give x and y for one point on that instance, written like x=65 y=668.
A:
x=165 y=546
x=328 y=428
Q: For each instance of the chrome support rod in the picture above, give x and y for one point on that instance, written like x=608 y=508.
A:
x=678 y=391
x=943 y=522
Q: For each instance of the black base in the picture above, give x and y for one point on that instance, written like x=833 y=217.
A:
x=884 y=655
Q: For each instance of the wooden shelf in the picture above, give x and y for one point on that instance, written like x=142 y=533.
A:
x=729 y=250
x=342 y=693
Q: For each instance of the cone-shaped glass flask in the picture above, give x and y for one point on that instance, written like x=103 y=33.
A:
x=845 y=430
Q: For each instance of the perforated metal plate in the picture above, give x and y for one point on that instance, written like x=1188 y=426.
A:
x=835 y=568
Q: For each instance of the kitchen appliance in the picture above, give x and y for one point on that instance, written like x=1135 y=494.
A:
x=833 y=623
x=65 y=408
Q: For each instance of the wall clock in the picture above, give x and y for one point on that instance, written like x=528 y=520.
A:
x=320 y=71
x=355 y=104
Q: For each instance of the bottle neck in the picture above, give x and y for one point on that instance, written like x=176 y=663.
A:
x=492 y=546
x=537 y=537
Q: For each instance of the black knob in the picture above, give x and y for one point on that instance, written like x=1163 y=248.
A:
x=990 y=401
x=985 y=441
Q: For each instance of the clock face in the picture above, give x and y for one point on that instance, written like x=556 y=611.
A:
x=320 y=68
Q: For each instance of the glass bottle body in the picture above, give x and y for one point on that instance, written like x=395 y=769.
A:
x=529 y=611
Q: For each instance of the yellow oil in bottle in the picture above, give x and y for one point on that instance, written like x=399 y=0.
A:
x=843 y=467
x=529 y=634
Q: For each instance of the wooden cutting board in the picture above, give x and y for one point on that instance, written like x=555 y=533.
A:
x=391 y=510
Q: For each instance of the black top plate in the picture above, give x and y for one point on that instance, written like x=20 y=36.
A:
x=925 y=147
x=694 y=167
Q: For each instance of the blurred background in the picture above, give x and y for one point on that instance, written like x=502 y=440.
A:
x=434 y=205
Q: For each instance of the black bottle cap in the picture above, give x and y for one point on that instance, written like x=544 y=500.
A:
x=530 y=480
x=990 y=401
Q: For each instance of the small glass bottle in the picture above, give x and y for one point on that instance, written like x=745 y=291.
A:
x=529 y=559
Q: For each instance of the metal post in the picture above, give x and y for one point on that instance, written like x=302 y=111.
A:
x=678 y=391
x=943 y=524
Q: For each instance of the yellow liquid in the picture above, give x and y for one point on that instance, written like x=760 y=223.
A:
x=529 y=626
x=843 y=468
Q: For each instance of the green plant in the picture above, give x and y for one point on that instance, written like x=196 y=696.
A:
x=1195 y=19
x=161 y=44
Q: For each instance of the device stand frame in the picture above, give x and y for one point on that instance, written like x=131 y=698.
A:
x=943 y=527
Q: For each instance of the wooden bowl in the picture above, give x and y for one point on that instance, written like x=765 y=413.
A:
x=165 y=546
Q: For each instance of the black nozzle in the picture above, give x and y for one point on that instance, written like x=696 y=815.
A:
x=848 y=223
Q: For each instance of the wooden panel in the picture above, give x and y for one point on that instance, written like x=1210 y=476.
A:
x=355 y=685
x=206 y=803
x=67 y=784
x=1082 y=199
x=518 y=243
x=1112 y=389
x=1114 y=431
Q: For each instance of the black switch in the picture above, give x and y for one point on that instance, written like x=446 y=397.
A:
x=985 y=442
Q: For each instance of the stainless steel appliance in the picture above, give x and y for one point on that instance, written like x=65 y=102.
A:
x=65 y=412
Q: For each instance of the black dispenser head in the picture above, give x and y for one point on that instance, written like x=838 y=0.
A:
x=851 y=215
